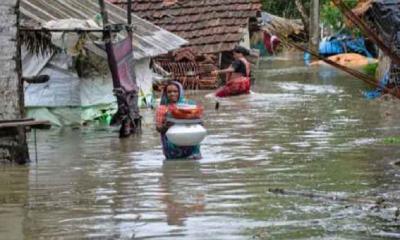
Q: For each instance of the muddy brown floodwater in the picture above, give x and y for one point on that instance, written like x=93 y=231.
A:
x=302 y=130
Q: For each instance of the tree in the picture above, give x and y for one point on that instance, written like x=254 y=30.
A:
x=330 y=15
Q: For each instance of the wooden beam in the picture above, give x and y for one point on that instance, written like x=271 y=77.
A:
x=29 y=123
x=77 y=30
x=17 y=120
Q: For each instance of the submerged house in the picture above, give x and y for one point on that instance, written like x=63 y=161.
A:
x=80 y=85
x=213 y=28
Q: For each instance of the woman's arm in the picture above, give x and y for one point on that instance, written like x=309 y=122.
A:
x=161 y=124
x=226 y=70
x=164 y=128
x=161 y=129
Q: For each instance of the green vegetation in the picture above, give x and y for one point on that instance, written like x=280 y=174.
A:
x=370 y=69
x=284 y=8
x=330 y=15
x=392 y=140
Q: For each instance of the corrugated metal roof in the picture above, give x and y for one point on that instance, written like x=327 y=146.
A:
x=148 y=39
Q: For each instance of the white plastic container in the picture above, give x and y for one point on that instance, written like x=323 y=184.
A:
x=186 y=134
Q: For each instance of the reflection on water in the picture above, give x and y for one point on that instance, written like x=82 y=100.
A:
x=184 y=195
x=306 y=130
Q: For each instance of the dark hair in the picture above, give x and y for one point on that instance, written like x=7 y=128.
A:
x=172 y=83
x=242 y=50
x=168 y=82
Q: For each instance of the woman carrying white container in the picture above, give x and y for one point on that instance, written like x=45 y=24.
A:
x=178 y=120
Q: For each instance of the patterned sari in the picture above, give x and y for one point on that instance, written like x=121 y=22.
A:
x=237 y=84
x=170 y=150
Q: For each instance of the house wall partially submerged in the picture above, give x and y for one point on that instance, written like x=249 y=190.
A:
x=87 y=97
x=67 y=99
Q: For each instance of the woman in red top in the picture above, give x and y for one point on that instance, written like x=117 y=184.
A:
x=238 y=75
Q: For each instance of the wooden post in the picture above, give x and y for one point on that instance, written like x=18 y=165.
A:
x=314 y=25
x=13 y=144
x=129 y=11
x=103 y=12
x=124 y=79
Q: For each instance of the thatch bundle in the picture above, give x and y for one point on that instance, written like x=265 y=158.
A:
x=283 y=26
x=38 y=42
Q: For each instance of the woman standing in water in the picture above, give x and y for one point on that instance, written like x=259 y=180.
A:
x=238 y=75
x=173 y=94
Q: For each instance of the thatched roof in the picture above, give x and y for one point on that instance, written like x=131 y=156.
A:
x=283 y=26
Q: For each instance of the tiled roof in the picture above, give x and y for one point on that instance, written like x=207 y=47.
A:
x=210 y=25
x=149 y=40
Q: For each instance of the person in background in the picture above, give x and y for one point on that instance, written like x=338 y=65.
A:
x=274 y=44
x=238 y=75
x=271 y=43
x=173 y=94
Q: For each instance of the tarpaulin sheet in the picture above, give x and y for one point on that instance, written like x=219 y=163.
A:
x=71 y=116
x=66 y=89
x=121 y=64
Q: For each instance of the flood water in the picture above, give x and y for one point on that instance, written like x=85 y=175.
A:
x=306 y=131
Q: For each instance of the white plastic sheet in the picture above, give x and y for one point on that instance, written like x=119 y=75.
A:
x=68 y=41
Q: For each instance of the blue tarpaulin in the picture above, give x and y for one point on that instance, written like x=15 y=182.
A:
x=343 y=44
x=340 y=44
x=377 y=92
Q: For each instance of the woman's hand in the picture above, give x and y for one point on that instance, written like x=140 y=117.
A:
x=214 y=72
x=168 y=124
x=164 y=128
